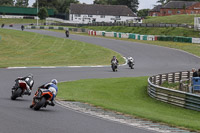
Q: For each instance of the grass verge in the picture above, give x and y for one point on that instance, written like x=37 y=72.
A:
x=168 y=31
x=20 y=48
x=18 y=21
x=129 y=96
x=173 y=19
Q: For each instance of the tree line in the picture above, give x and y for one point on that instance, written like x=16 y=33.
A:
x=62 y=6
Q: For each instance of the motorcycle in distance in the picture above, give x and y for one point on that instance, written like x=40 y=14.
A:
x=42 y=98
x=114 y=65
x=19 y=89
x=22 y=27
x=131 y=62
x=67 y=33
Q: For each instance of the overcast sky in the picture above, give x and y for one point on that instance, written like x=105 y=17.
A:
x=143 y=3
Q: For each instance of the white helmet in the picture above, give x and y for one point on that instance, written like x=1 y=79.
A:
x=54 y=81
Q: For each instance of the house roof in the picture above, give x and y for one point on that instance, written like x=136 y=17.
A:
x=156 y=8
x=179 y=4
x=96 y=9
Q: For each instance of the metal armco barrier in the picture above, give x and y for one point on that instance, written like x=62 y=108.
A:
x=175 y=97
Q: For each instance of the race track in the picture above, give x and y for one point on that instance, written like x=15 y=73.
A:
x=16 y=116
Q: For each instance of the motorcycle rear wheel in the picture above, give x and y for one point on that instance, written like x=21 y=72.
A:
x=40 y=104
x=16 y=93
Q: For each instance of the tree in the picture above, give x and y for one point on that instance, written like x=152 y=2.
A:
x=162 y=2
x=143 y=12
x=43 y=14
x=60 y=6
x=6 y=2
x=22 y=3
x=104 y=2
x=63 y=5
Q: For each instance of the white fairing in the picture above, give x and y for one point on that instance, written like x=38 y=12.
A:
x=53 y=90
x=114 y=61
x=130 y=59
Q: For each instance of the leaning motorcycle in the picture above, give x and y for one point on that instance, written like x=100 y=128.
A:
x=18 y=90
x=67 y=33
x=131 y=64
x=114 y=65
x=42 y=98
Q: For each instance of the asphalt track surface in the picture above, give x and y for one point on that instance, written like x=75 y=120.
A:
x=16 y=116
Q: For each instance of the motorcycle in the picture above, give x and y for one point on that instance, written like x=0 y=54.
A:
x=22 y=27
x=41 y=99
x=2 y=25
x=114 y=65
x=131 y=63
x=19 y=89
x=67 y=33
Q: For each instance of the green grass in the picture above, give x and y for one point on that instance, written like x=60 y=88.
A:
x=169 y=31
x=21 y=48
x=129 y=96
x=174 y=86
x=18 y=21
x=173 y=19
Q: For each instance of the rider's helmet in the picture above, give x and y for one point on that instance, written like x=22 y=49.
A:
x=54 y=81
x=114 y=57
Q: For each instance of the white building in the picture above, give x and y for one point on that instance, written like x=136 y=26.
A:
x=83 y=13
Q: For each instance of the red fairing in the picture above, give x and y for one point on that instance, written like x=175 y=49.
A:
x=22 y=85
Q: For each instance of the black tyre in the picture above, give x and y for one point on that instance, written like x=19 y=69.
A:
x=40 y=104
x=131 y=66
x=113 y=68
x=16 y=93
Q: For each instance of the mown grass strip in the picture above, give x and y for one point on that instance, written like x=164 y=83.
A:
x=129 y=96
x=18 y=21
x=20 y=48
x=173 y=19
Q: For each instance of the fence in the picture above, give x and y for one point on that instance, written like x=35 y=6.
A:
x=175 y=97
x=58 y=28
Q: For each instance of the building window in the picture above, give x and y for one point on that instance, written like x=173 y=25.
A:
x=192 y=12
x=77 y=15
x=170 y=12
x=90 y=16
x=102 y=16
x=178 y=12
x=117 y=16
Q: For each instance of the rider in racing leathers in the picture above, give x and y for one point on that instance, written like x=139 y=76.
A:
x=113 y=59
x=52 y=86
x=130 y=59
x=28 y=80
